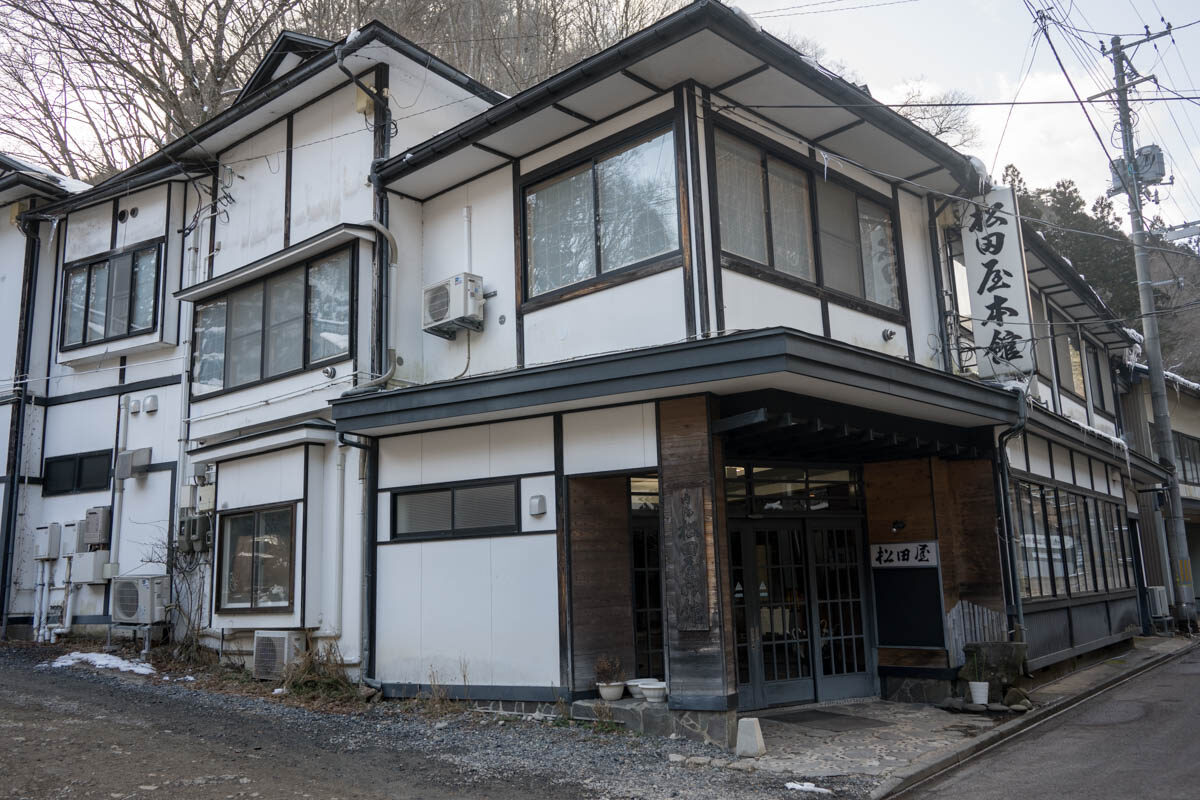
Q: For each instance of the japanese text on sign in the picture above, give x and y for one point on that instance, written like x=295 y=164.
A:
x=995 y=266
x=904 y=554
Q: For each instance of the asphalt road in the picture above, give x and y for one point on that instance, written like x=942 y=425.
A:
x=1141 y=739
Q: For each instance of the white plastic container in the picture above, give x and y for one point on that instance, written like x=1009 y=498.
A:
x=655 y=691
x=979 y=692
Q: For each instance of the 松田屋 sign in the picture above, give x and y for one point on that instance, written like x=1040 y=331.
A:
x=995 y=262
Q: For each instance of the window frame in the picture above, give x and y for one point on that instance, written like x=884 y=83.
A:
x=1101 y=394
x=106 y=258
x=451 y=534
x=306 y=364
x=221 y=566
x=1058 y=320
x=588 y=157
x=814 y=171
x=77 y=458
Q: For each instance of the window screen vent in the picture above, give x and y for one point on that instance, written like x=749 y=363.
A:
x=484 y=506
x=423 y=513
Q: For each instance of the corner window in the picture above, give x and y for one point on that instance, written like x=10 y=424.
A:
x=1101 y=379
x=286 y=323
x=767 y=219
x=82 y=472
x=256 y=559
x=618 y=210
x=468 y=510
x=110 y=299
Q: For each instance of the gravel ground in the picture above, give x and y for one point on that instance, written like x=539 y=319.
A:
x=172 y=735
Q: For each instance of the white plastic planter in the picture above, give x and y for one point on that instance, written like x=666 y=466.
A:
x=979 y=692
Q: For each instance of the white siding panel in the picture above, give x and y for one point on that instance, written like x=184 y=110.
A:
x=457 y=454
x=524 y=611
x=400 y=461
x=522 y=447
x=456 y=618
x=254 y=225
x=918 y=269
x=608 y=439
x=89 y=231
x=331 y=158
x=1039 y=456
x=543 y=485
x=151 y=219
x=641 y=313
x=398 y=615
x=751 y=303
x=81 y=427
x=1073 y=408
x=255 y=481
x=1016 y=452
x=1083 y=473
x=1062 y=464
x=863 y=330
x=1099 y=476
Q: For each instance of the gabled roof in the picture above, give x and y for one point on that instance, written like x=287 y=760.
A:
x=319 y=73
x=720 y=48
x=19 y=180
x=289 y=51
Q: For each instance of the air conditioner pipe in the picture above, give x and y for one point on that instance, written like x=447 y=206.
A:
x=370 y=486
x=119 y=489
x=375 y=384
x=64 y=625
x=333 y=630
x=393 y=269
x=37 y=601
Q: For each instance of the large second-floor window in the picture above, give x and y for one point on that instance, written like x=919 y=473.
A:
x=283 y=324
x=1187 y=451
x=1068 y=355
x=766 y=208
x=618 y=210
x=110 y=299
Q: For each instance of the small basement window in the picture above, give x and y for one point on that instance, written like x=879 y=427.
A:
x=82 y=472
x=477 y=509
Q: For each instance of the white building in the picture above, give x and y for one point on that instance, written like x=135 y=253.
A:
x=711 y=349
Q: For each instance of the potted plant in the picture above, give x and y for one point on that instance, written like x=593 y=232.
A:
x=610 y=678
x=976 y=681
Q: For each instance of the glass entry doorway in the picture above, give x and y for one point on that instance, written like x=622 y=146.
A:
x=798 y=606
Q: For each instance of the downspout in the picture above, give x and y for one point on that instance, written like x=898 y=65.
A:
x=33 y=248
x=371 y=514
x=37 y=600
x=334 y=629
x=1006 y=517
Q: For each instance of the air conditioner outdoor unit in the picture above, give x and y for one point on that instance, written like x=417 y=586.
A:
x=139 y=600
x=98 y=525
x=47 y=541
x=454 y=303
x=1158 y=601
x=274 y=651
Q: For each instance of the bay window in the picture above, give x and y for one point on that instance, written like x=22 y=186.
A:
x=110 y=299
x=772 y=212
x=285 y=323
x=256 y=559
x=618 y=210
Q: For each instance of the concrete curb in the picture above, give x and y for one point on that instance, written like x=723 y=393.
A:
x=900 y=783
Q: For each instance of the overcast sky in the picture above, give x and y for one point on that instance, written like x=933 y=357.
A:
x=984 y=47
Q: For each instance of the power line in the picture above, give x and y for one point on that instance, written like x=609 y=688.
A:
x=972 y=103
x=776 y=14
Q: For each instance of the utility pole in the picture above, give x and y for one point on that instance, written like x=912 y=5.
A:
x=1184 y=609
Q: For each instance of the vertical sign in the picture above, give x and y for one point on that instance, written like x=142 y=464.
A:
x=995 y=261
x=687 y=578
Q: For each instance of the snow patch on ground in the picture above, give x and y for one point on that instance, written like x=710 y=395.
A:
x=103 y=661
x=806 y=787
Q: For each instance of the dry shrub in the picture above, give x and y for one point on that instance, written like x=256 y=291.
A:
x=320 y=672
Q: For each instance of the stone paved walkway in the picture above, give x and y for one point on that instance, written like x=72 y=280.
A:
x=917 y=736
x=914 y=731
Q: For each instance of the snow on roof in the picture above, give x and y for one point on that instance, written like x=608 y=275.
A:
x=20 y=165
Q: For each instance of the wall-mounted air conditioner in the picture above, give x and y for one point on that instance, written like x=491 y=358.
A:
x=97 y=525
x=454 y=303
x=139 y=600
x=274 y=651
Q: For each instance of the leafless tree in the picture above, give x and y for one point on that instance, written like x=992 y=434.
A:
x=947 y=118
